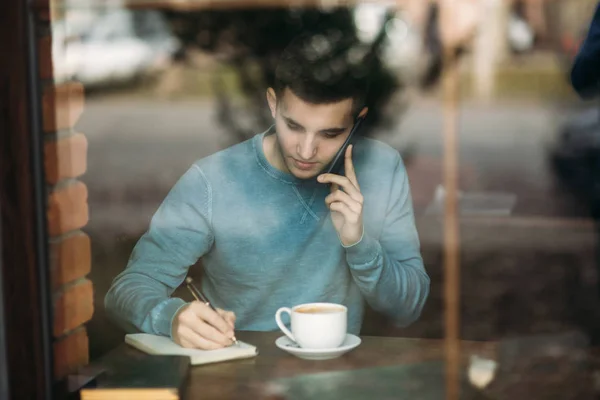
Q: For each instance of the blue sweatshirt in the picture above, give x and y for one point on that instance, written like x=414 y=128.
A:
x=267 y=241
x=585 y=74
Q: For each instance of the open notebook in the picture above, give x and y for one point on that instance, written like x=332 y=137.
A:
x=161 y=345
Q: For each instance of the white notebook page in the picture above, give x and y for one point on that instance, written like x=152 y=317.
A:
x=162 y=345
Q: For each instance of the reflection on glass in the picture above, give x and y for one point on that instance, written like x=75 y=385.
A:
x=169 y=85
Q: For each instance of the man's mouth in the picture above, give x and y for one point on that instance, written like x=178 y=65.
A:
x=304 y=165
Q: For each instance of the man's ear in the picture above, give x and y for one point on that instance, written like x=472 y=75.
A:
x=363 y=112
x=272 y=100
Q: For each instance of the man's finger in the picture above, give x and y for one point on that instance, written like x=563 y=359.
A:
x=189 y=338
x=342 y=181
x=211 y=317
x=356 y=196
x=348 y=214
x=185 y=343
x=343 y=197
x=204 y=329
x=208 y=332
x=349 y=167
x=228 y=316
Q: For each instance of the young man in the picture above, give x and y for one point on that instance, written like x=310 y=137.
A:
x=272 y=229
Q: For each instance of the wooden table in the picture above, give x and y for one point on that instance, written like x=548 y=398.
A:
x=250 y=378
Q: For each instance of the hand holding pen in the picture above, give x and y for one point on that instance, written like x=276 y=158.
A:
x=200 y=325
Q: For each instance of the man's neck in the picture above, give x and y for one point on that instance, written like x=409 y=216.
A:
x=273 y=152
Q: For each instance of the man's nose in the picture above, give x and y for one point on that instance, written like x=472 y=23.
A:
x=307 y=147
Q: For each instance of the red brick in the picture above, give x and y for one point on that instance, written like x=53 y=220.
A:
x=45 y=57
x=62 y=105
x=70 y=259
x=70 y=353
x=67 y=209
x=65 y=158
x=73 y=307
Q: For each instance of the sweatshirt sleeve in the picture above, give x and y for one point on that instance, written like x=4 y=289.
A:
x=179 y=234
x=390 y=271
x=585 y=74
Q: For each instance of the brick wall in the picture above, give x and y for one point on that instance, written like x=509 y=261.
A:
x=65 y=153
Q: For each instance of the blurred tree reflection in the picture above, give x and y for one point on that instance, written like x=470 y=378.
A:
x=250 y=42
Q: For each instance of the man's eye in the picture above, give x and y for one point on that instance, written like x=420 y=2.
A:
x=293 y=127
x=331 y=135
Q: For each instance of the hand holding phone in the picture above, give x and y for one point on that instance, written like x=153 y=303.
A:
x=345 y=201
x=338 y=161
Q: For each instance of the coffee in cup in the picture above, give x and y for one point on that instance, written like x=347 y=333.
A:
x=316 y=325
x=318 y=309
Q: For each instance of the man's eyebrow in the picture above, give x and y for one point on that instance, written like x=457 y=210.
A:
x=334 y=130
x=330 y=131
x=291 y=121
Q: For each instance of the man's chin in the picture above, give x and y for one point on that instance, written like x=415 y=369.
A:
x=303 y=174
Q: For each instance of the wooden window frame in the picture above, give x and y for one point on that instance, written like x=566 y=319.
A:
x=26 y=354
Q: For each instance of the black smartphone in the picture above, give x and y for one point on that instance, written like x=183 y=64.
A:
x=338 y=161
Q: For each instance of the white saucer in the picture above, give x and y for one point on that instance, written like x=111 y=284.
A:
x=286 y=344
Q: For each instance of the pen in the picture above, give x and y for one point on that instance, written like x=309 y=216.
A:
x=189 y=282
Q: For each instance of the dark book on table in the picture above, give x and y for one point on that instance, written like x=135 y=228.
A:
x=148 y=377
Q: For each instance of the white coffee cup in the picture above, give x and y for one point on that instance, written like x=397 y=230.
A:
x=316 y=325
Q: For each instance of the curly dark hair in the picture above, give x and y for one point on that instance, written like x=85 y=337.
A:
x=325 y=67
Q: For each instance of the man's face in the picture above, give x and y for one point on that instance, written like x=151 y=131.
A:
x=309 y=135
